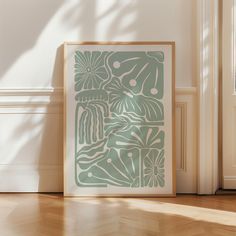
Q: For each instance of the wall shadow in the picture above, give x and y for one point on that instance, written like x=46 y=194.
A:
x=119 y=20
x=21 y=23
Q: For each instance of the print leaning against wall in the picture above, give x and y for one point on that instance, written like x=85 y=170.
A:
x=119 y=119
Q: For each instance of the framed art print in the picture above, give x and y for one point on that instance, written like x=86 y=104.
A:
x=119 y=119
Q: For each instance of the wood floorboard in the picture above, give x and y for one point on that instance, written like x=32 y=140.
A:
x=51 y=214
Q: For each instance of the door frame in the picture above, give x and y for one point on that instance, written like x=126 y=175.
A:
x=228 y=48
x=208 y=80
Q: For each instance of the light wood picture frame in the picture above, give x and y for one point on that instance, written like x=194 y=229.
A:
x=119 y=119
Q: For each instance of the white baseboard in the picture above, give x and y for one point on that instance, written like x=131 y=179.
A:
x=229 y=182
x=31 y=178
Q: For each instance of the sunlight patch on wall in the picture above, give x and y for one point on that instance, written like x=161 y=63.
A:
x=118 y=18
x=34 y=68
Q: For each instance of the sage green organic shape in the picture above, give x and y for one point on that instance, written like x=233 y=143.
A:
x=154 y=168
x=92 y=149
x=123 y=100
x=122 y=122
x=89 y=121
x=140 y=71
x=90 y=71
x=131 y=162
x=112 y=169
x=137 y=137
x=119 y=118
x=92 y=95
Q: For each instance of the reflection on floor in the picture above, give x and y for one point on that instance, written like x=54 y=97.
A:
x=51 y=214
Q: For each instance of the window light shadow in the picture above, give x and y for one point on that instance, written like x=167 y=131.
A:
x=34 y=60
x=21 y=23
x=143 y=216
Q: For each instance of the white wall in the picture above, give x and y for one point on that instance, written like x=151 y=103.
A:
x=31 y=71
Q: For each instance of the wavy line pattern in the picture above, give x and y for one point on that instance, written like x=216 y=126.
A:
x=119 y=118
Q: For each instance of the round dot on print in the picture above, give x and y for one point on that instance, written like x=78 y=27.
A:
x=132 y=82
x=129 y=154
x=109 y=160
x=116 y=64
x=90 y=174
x=153 y=91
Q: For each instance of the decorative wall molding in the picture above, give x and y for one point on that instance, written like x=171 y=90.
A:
x=45 y=96
x=186 y=90
x=182 y=122
x=30 y=96
x=26 y=167
x=230 y=178
x=31 y=100
x=30 y=90
x=31 y=109
x=186 y=140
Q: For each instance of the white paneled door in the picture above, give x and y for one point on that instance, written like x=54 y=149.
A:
x=229 y=94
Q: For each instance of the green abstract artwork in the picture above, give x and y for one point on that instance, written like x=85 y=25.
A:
x=119 y=119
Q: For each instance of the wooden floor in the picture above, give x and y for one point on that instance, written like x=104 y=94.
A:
x=45 y=214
